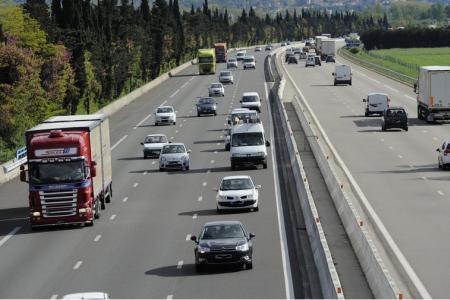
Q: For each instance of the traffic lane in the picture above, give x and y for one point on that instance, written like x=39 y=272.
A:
x=50 y=238
x=395 y=159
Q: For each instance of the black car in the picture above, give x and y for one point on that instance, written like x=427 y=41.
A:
x=330 y=58
x=287 y=55
x=223 y=243
x=206 y=106
x=292 y=60
x=317 y=59
x=394 y=117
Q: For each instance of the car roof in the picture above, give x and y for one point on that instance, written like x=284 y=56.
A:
x=221 y=223
x=374 y=94
x=215 y=83
x=250 y=94
x=225 y=71
x=89 y=295
x=248 y=127
x=167 y=106
x=202 y=98
x=249 y=56
x=235 y=177
x=175 y=144
x=155 y=134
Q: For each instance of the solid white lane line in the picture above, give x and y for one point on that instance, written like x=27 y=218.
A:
x=125 y=199
x=55 y=296
x=112 y=217
x=374 y=80
x=9 y=235
x=77 y=265
x=440 y=193
x=392 y=89
x=194 y=216
x=169 y=297
x=200 y=198
x=188 y=237
x=173 y=95
x=142 y=121
x=97 y=238
x=119 y=141
x=180 y=264
x=135 y=184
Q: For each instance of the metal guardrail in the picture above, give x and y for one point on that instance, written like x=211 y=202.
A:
x=379 y=69
x=21 y=158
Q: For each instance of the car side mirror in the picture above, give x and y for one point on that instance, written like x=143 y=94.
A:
x=364 y=100
x=194 y=238
x=258 y=186
x=23 y=174
x=438 y=150
x=240 y=101
x=267 y=143
x=93 y=168
x=333 y=73
x=142 y=143
x=251 y=235
x=189 y=151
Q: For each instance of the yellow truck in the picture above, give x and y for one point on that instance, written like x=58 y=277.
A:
x=206 y=61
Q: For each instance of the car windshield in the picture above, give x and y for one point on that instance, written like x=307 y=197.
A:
x=226 y=73
x=232 y=60
x=216 y=86
x=171 y=149
x=249 y=60
x=247 y=139
x=250 y=99
x=155 y=139
x=222 y=231
x=57 y=172
x=164 y=110
x=206 y=101
x=240 y=54
x=205 y=60
x=236 y=184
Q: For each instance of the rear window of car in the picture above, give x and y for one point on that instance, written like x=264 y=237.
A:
x=165 y=110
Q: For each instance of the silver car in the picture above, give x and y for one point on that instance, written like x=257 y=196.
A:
x=232 y=63
x=216 y=89
x=153 y=144
x=226 y=77
x=174 y=156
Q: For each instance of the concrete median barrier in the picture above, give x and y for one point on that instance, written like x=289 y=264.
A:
x=388 y=273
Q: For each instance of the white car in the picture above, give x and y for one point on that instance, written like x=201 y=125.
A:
x=174 y=156
x=216 y=89
x=89 y=296
x=249 y=62
x=258 y=49
x=310 y=61
x=240 y=55
x=251 y=100
x=165 y=115
x=444 y=155
x=237 y=192
x=232 y=63
x=153 y=144
x=226 y=77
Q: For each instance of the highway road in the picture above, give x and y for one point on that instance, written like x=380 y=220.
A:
x=397 y=170
x=140 y=248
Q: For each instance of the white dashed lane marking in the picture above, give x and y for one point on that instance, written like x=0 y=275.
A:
x=180 y=264
x=77 y=265
x=440 y=193
x=205 y=183
x=194 y=216
x=9 y=235
x=119 y=141
x=173 y=95
x=188 y=237
x=200 y=198
x=135 y=184
x=97 y=238
x=112 y=217
x=125 y=199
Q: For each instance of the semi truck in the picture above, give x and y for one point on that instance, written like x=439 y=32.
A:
x=319 y=40
x=69 y=170
x=330 y=46
x=433 y=93
x=206 y=61
x=221 y=52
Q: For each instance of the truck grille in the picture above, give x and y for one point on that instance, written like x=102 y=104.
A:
x=58 y=203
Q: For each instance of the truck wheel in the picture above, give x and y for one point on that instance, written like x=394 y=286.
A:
x=406 y=128
x=366 y=114
x=109 y=197
x=335 y=83
x=383 y=128
x=227 y=147
x=233 y=167
x=97 y=210
x=350 y=82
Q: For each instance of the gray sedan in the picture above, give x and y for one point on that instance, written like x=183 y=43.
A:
x=206 y=106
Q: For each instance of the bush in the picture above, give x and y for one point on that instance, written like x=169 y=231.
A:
x=354 y=50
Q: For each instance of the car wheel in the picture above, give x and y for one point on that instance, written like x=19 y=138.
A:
x=97 y=209
x=256 y=208
x=174 y=123
x=233 y=167
x=161 y=169
x=350 y=82
x=265 y=165
x=156 y=124
x=383 y=128
x=219 y=211
x=406 y=128
x=439 y=164
x=198 y=114
x=366 y=114
x=227 y=147
x=199 y=268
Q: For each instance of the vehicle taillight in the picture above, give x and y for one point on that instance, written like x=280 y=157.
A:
x=446 y=151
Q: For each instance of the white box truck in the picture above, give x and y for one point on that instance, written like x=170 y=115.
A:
x=433 y=93
x=330 y=46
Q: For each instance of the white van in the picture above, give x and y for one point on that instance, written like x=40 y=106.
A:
x=310 y=61
x=240 y=55
x=248 y=145
x=376 y=103
x=342 y=75
x=251 y=100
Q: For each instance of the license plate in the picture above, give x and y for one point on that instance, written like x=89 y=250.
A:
x=223 y=256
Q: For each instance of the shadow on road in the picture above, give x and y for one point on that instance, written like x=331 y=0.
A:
x=408 y=169
x=184 y=75
x=189 y=270
x=131 y=158
x=214 y=150
x=208 y=142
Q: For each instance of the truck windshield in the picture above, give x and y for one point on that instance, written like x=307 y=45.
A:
x=205 y=60
x=57 y=172
x=247 y=139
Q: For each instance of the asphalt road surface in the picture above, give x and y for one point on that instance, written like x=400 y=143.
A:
x=397 y=170
x=140 y=247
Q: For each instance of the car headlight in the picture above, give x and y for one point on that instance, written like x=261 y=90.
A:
x=260 y=154
x=163 y=158
x=243 y=247
x=202 y=249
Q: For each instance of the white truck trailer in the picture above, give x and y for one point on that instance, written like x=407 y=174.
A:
x=433 y=93
x=330 y=46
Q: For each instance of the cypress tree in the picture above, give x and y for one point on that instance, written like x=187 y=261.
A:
x=158 y=31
